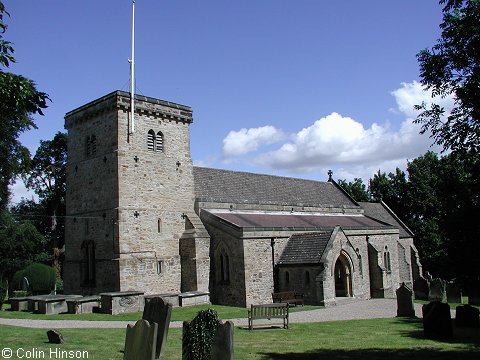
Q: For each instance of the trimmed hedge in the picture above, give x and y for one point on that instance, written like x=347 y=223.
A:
x=3 y=290
x=41 y=278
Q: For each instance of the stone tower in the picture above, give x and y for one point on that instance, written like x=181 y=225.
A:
x=131 y=223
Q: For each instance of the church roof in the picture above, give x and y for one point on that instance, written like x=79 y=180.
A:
x=382 y=212
x=294 y=221
x=237 y=187
x=305 y=248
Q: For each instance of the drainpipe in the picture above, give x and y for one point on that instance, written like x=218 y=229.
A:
x=272 y=244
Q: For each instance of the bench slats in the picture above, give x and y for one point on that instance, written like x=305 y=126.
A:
x=268 y=311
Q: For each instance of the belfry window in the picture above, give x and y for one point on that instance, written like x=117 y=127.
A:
x=90 y=145
x=150 y=140
x=159 y=142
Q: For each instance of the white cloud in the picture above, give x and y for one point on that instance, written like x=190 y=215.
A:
x=241 y=142
x=18 y=191
x=340 y=142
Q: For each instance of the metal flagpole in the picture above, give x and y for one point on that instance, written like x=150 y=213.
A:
x=132 y=73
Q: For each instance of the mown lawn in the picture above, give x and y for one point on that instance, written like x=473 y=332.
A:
x=383 y=339
x=178 y=314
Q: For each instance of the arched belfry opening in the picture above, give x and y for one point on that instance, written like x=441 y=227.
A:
x=343 y=277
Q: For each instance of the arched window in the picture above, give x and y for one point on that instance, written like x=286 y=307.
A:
x=307 y=277
x=88 y=250
x=159 y=225
x=224 y=267
x=386 y=260
x=159 y=142
x=88 y=146
x=150 y=140
x=93 y=143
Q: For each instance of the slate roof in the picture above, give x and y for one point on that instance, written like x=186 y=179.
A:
x=295 y=221
x=382 y=212
x=305 y=248
x=217 y=185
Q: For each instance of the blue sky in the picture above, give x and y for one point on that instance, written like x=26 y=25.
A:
x=282 y=87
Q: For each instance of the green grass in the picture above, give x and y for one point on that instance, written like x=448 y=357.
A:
x=382 y=339
x=178 y=314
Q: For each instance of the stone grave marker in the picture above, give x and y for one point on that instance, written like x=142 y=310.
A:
x=55 y=337
x=437 y=322
x=421 y=288
x=474 y=294
x=140 y=341
x=222 y=347
x=437 y=290
x=454 y=293
x=467 y=316
x=405 y=302
x=159 y=312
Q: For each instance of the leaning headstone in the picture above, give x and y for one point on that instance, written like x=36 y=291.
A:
x=405 y=302
x=222 y=347
x=140 y=341
x=24 y=284
x=421 y=288
x=159 y=312
x=55 y=337
x=467 y=316
x=474 y=294
x=437 y=290
x=454 y=293
x=437 y=322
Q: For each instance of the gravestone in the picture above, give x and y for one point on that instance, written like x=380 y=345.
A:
x=159 y=312
x=222 y=347
x=421 y=288
x=467 y=316
x=405 y=302
x=24 y=284
x=437 y=290
x=55 y=337
x=437 y=322
x=140 y=341
x=454 y=293
x=474 y=293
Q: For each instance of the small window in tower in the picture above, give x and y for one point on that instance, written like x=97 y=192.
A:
x=160 y=267
x=159 y=142
x=159 y=226
x=93 y=144
x=307 y=277
x=88 y=146
x=150 y=140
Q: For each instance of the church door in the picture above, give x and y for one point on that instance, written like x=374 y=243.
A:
x=343 y=278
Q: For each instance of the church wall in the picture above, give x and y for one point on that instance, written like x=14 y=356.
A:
x=230 y=291
x=301 y=279
x=90 y=200
x=404 y=261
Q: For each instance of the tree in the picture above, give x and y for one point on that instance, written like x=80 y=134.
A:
x=20 y=244
x=452 y=67
x=47 y=177
x=356 y=189
x=19 y=101
x=390 y=189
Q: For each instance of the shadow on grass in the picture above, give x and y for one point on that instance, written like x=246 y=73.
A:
x=376 y=354
x=461 y=335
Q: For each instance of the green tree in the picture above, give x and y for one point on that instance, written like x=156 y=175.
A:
x=19 y=101
x=47 y=177
x=391 y=189
x=20 y=244
x=356 y=189
x=452 y=67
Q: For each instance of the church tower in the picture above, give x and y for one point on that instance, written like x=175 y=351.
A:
x=131 y=223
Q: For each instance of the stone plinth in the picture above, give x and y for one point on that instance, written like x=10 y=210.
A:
x=54 y=304
x=19 y=304
x=193 y=298
x=170 y=298
x=83 y=305
x=122 y=302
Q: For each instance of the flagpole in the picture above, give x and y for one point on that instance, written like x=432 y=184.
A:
x=132 y=73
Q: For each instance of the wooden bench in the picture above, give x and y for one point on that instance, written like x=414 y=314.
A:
x=289 y=297
x=268 y=311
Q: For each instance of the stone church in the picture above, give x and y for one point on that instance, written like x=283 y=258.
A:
x=141 y=217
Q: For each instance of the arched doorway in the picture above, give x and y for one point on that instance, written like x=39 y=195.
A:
x=343 y=277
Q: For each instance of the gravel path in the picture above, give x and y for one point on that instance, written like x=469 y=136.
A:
x=362 y=309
